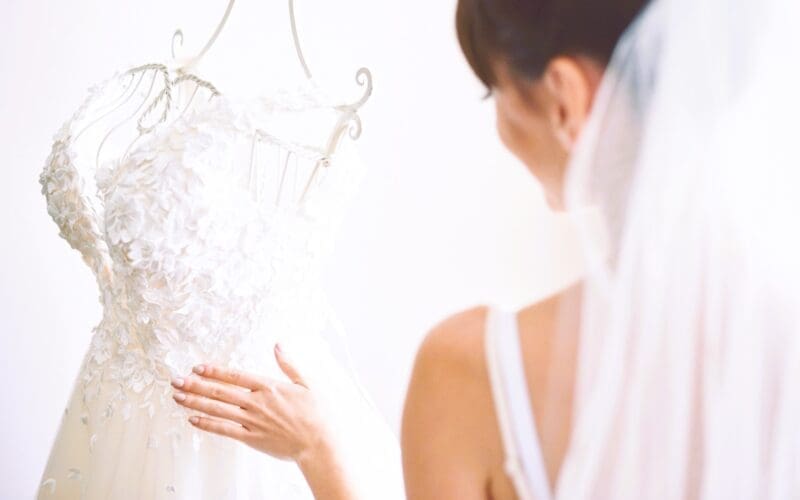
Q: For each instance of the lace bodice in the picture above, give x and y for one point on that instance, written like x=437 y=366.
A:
x=198 y=256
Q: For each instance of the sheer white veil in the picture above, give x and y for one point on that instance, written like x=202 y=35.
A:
x=688 y=382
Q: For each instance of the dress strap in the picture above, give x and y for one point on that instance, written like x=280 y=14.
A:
x=524 y=463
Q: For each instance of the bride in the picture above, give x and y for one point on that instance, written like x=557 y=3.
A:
x=671 y=370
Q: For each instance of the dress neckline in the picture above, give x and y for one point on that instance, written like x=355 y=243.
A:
x=244 y=111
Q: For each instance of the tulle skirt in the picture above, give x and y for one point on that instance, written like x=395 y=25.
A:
x=148 y=449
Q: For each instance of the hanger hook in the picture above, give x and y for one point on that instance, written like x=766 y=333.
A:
x=297 y=40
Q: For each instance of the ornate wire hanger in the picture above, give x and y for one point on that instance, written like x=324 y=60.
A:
x=349 y=112
x=348 y=118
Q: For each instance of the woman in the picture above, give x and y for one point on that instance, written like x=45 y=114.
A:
x=671 y=371
x=542 y=61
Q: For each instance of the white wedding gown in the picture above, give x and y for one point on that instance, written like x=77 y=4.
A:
x=204 y=253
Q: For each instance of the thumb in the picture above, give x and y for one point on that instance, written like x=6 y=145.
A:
x=287 y=366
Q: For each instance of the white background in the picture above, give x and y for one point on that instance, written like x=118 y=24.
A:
x=446 y=218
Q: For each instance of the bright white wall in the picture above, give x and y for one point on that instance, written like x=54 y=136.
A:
x=446 y=218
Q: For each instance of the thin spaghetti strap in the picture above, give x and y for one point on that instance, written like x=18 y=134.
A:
x=512 y=364
x=512 y=463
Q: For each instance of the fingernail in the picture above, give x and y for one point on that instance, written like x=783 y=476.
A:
x=194 y=420
x=278 y=348
x=179 y=396
x=199 y=369
x=177 y=382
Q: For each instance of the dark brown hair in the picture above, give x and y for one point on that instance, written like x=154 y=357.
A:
x=527 y=34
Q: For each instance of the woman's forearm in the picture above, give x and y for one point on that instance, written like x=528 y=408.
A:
x=326 y=473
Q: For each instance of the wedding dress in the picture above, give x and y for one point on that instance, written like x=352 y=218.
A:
x=207 y=234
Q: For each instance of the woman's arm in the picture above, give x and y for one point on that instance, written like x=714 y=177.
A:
x=279 y=418
x=444 y=425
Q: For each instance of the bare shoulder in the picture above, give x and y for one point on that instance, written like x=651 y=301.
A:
x=450 y=437
x=446 y=412
x=456 y=343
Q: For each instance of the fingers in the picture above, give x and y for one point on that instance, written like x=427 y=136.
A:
x=221 y=427
x=213 y=390
x=229 y=376
x=211 y=407
x=288 y=367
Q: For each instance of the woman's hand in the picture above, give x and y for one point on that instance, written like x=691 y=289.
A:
x=279 y=418
x=282 y=419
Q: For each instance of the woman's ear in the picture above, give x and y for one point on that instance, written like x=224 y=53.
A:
x=571 y=85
